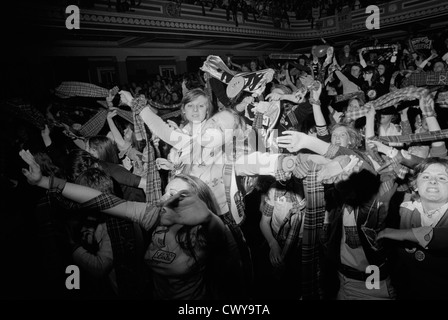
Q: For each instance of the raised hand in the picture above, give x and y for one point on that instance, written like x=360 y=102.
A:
x=126 y=97
x=274 y=96
x=316 y=90
x=307 y=81
x=33 y=174
x=111 y=114
x=261 y=106
x=45 y=132
x=173 y=124
x=164 y=164
x=381 y=147
x=292 y=140
x=184 y=208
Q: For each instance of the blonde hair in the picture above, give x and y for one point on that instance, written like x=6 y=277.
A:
x=191 y=95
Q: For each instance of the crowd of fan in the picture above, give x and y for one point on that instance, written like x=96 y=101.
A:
x=343 y=166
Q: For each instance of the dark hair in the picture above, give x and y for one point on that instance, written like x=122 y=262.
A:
x=122 y=125
x=79 y=161
x=375 y=74
x=47 y=166
x=97 y=179
x=106 y=148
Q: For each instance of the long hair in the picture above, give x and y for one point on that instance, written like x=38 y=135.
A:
x=237 y=146
x=97 y=179
x=47 y=166
x=355 y=137
x=375 y=74
x=106 y=148
x=121 y=126
x=191 y=237
x=78 y=161
x=191 y=95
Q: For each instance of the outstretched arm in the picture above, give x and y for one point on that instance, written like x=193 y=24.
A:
x=294 y=141
x=72 y=191
x=174 y=138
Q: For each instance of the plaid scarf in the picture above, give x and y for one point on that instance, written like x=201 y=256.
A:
x=290 y=229
x=161 y=106
x=419 y=79
x=96 y=123
x=17 y=107
x=69 y=89
x=415 y=137
x=153 y=181
x=387 y=55
x=394 y=98
x=313 y=224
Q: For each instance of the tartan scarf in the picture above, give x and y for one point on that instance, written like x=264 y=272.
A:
x=69 y=89
x=290 y=236
x=414 y=138
x=313 y=224
x=19 y=108
x=386 y=56
x=153 y=181
x=161 y=106
x=419 y=79
x=96 y=123
x=394 y=98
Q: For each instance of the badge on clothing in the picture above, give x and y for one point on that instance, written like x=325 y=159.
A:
x=164 y=256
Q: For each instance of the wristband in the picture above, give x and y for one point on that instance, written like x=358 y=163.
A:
x=56 y=183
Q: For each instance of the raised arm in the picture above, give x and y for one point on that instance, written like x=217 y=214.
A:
x=161 y=129
x=118 y=138
x=361 y=58
x=438 y=148
x=74 y=192
x=317 y=110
